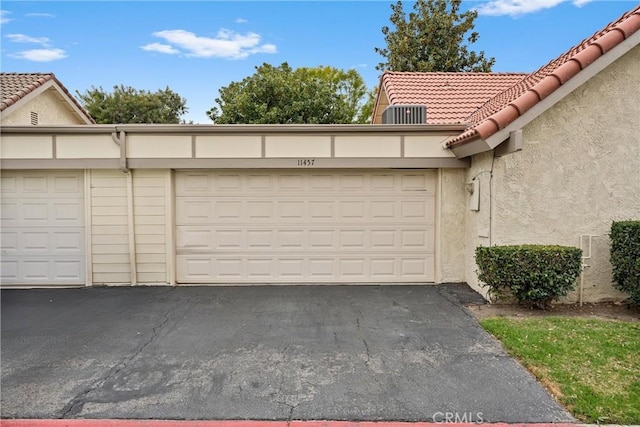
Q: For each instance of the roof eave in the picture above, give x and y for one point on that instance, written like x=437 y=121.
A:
x=381 y=87
x=52 y=83
x=490 y=133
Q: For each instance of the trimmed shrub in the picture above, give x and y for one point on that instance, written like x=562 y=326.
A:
x=625 y=257
x=534 y=275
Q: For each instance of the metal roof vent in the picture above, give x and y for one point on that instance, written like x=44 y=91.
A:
x=404 y=115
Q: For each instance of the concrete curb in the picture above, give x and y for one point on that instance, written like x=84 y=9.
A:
x=250 y=423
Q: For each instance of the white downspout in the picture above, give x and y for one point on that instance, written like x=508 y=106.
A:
x=120 y=138
x=132 y=230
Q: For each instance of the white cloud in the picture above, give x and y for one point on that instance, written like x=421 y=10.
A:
x=241 y=21
x=580 y=3
x=516 y=7
x=23 y=38
x=160 y=48
x=41 y=55
x=40 y=15
x=4 y=16
x=227 y=44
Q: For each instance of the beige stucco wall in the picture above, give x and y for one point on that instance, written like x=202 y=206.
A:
x=478 y=228
x=51 y=109
x=452 y=205
x=579 y=170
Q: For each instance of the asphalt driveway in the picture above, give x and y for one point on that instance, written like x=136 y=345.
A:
x=269 y=353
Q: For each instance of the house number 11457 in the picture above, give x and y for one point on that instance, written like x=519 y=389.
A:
x=306 y=162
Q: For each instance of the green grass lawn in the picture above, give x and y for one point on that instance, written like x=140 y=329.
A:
x=591 y=366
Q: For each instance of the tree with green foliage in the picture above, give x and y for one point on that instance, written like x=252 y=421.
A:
x=282 y=95
x=432 y=39
x=128 y=105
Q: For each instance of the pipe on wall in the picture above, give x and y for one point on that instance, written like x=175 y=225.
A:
x=132 y=230
x=120 y=138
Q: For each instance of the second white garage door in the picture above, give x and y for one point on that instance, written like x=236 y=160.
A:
x=305 y=226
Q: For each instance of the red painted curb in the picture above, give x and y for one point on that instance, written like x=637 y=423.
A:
x=248 y=423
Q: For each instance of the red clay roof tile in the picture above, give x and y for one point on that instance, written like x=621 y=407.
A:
x=449 y=97
x=15 y=86
x=497 y=112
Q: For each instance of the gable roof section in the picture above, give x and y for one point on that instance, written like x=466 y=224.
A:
x=15 y=87
x=508 y=105
x=450 y=97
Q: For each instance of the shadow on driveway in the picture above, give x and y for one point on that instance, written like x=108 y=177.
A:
x=264 y=352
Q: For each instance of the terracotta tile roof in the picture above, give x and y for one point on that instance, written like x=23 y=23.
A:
x=449 y=97
x=511 y=103
x=15 y=86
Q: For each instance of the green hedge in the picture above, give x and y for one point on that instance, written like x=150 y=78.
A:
x=625 y=257
x=534 y=274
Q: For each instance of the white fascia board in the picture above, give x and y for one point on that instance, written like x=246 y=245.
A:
x=70 y=102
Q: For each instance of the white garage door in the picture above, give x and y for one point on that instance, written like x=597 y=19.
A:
x=42 y=228
x=311 y=226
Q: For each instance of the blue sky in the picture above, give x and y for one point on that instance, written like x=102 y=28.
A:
x=197 y=47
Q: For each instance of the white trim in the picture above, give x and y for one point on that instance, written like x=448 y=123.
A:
x=468 y=149
x=88 y=228
x=438 y=229
x=292 y=163
x=170 y=226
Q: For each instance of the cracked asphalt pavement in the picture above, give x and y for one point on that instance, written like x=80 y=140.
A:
x=401 y=353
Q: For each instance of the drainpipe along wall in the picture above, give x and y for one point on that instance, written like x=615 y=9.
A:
x=120 y=138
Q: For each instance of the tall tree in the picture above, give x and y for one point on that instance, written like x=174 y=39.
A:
x=432 y=39
x=281 y=95
x=128 y=105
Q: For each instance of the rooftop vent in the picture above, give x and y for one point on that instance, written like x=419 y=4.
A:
x=404 y=115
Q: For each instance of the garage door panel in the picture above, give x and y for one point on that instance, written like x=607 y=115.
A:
x=416 y=266
x=260 y=182
x=384 y=267
x=64 y=270
x=384 y=239
x=67 y=184
x=322 y=239
x=297 y=269
x=8 y=211
x=305 y=226
x=42 y=213
x=260 y=239
x=228 y=268
x=194 y=211
x=43 y=235
x=313 y=239
x=260 y=269
x=8 y=269
x=322 y=269
x=383 y=182
x=228 y=239
x=261 y=210
x=41 y=270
